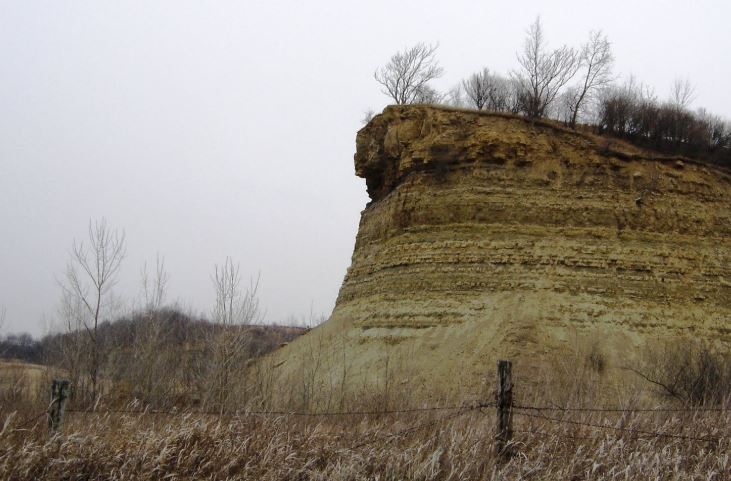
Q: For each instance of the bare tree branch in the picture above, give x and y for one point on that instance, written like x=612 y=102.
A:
x=542 y=74
x=154 y=288
x=3 y=315
x=235 y=311
x=682 y=93
x=477 y=88
x=596 y=59
x=405 y=77
x=90 y=274
x=488 y=91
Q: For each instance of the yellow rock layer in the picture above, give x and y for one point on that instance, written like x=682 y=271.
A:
x=490 y=236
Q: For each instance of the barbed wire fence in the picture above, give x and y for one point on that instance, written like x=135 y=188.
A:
x=505 y=410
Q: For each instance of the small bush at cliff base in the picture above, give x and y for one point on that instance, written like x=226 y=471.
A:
x=690 y=372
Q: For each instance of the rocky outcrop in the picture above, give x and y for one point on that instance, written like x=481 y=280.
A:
x=488 y=235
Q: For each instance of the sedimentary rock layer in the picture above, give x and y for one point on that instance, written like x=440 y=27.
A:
x=489 y=235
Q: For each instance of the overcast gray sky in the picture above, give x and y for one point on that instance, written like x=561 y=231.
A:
x=208 y=129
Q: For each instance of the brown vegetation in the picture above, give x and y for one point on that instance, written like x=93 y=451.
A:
x=21 y=382
x=631 y=113
x=450 y=444
x=691 y=372
x=567 y=426
x=153 y=357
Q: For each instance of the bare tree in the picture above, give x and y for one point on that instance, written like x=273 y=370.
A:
x=3 y=314
x=428 y=95
x=563 y=107
x=504 y=95
x=150 y=353
x=717 y=131
x=72 y=349
x=477 y=88
x=90 y=275
x=596 y=59
x=154 y=287
x=405 y=77
x=488 y=91
x=682 y=93
x=367 y=116
x=542 y=74
x=235 y=311
x=454 y=96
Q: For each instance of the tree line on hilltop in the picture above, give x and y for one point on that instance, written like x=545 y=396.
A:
x=569 y=85
x=179 y=330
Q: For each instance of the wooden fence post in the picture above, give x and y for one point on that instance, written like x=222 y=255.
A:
x=504 y=404
x=59 y=397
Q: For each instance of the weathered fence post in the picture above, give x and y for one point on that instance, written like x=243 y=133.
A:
x=59 y=397
x=504 y=404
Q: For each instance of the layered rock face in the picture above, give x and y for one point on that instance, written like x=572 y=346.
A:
x=491 y=236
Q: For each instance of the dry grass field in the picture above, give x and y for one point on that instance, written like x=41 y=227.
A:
x=22 y=381
x=430 y=447
x=571 y=421
x=640 y=441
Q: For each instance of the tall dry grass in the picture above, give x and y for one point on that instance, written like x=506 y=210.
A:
x=449 y=444
x=440 y=445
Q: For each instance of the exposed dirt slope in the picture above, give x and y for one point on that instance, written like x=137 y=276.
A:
x=489 y=236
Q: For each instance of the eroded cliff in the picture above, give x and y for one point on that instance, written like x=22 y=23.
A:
x=493 y=236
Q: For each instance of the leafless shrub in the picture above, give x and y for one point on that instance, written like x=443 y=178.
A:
x=455 y=97
x=484 y=90
x=428 y=95
x=632 y=111
x=367 y=116
x=235 y=311
x=149 y=370
x=596 y=358
x=690 y=372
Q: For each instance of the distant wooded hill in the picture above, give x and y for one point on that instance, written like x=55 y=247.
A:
x=176 y=330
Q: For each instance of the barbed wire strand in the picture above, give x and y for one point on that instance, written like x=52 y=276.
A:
x=617 y=428
x=285 y=413
x=32 y=420
x=541 y=433
x=622 y=410
x=463 y=409
x=26 y=423
x=413 y=429
x=402 y=411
